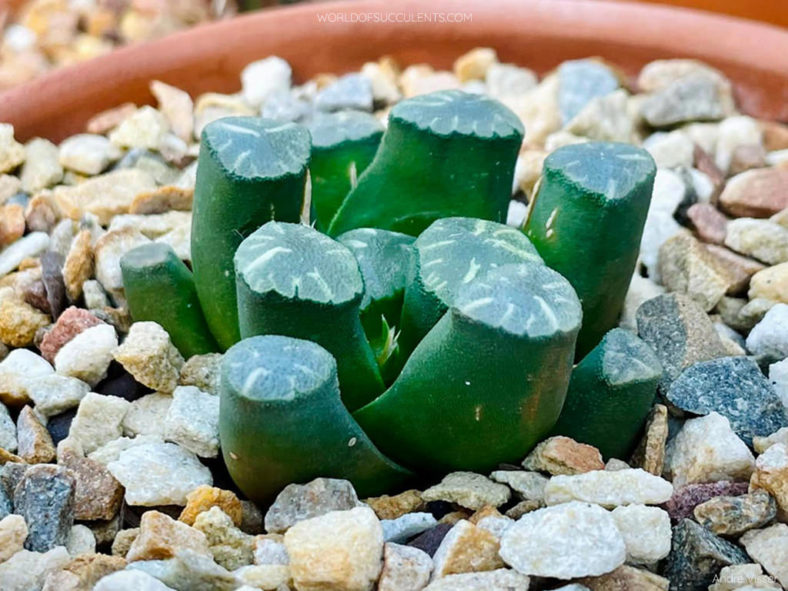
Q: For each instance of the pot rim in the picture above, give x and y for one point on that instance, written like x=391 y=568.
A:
x=532 y=33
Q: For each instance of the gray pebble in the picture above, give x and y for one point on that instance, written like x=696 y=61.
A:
x=579 y=82
x=352 y=91
x=697 y=556
x=735 y=388
x=45 y=498
x=6 y=507
x=696 y=96
x=297 y=502
x=52 y=277
x=10 y=476
x=283 y=106
x=680 y=333
x=406 y=526
x=7 y=430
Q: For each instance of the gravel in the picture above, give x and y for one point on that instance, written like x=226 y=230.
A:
x=709 y=290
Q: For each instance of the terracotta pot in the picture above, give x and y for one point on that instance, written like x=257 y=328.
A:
x=768 y=11
x=318 y=38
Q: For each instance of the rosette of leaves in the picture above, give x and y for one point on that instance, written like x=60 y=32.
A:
x=587 y=220
x=472 y=326
x=447 y=153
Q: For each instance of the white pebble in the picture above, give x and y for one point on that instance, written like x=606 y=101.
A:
x=707 y=450
x=609 y=489
x=30 y=246
x=87 y=356
x=192 y=421
x=646 y=531
x=261 y=78
x=159 y=474
x=769 y=338
x=564 y=542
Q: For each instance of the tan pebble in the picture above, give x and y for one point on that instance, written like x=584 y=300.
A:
x=12 y=223
x=79 y=266
x=6 y=457
x=771 y=475
x=90 y=568
x=775 y=135
x=474 y=64
x=111 y=118
x=123 y=541
x=756 y=193
x=35 y=442
x=19 y=322
x=162 y=200
x=391 y=507
x=40 y=214
x=454 y=517
x=650 y=452
x=770 y=284
x=466 y=548
x=177 y=106
x=161 y=537
x=13 y=533
x=486 y=511
x=97 y=494
x=10 y=185
x=204 y=497
x=105 y=196
x=12 y=153
x=563 y=455
x=341 y=551
x=148 y=354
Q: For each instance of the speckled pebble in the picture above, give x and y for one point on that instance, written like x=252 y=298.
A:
x=735 y=388
x=45 y=498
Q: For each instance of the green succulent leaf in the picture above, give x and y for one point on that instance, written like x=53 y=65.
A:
x=281 y=421
x=297 y=262
x=448 y=255
x=587 y=220
x=447 y=153
x=453 y=112
x=343 y=145
x=159 y=287
x=384 y=258
x=250 y=170
x=610 y=394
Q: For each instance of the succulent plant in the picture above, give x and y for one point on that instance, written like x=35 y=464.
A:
x=586 y=221
x=343 y=145
x=452 y=350
x=250 y=171
x=160 y=287
x=610 y=394
x=294 y=281
x=282 y=421
x=443 y=154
